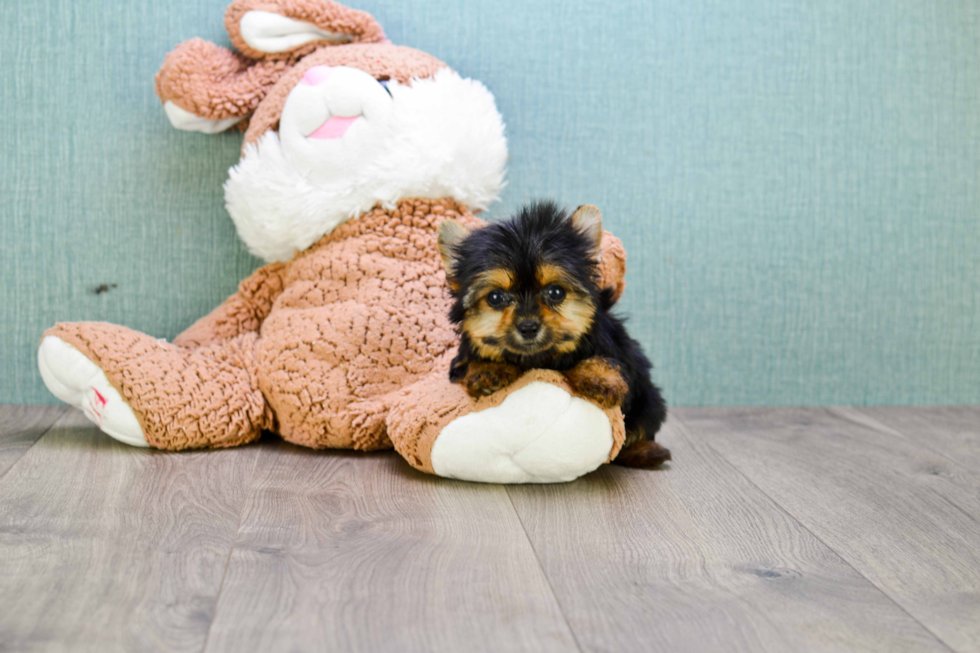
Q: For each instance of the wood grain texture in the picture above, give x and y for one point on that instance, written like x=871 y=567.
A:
x=772 y=530
x=951 y=430
x=916 y=457
x=20 y=427
x=107 y=547
x=695 y=558
x=342 y=551
x=900 y=514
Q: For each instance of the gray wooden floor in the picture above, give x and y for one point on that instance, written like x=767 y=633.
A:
x=774 y=529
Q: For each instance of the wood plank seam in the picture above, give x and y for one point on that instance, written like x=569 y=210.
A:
x=950 y=429
x=845 y=413
x=339 y=544
x=61 y=415
x=803 y=525
x=544 y=572
x=951 y=504
x=696 y=558
x=234 y=542
x=110 y=547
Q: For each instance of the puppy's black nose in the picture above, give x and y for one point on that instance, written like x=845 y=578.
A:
x=528 y=328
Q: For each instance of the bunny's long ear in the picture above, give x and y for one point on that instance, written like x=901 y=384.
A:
x=288 y=29
x=207 y=88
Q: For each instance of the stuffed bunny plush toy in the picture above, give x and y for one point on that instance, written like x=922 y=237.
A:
x=355 y=150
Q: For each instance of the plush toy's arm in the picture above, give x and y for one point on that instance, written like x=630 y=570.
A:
x=241 y=313
x=612 y=264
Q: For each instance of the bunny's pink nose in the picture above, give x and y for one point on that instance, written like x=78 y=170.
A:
x=334 y=127
x=317 y=75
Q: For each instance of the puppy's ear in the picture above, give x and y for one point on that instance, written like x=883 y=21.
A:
x=451 y=234
x=588 y=221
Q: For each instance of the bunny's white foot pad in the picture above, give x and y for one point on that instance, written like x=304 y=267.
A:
x=538 y=434
x=77 y=381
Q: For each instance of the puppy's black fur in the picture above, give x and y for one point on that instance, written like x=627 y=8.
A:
x=523 y=260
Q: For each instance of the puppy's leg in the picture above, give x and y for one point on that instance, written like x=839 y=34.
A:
x=486 y=377
x=598 y=379
x=645 y=454
x=647 y=413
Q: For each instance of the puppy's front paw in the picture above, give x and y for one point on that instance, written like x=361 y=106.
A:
x=484 y=377
x=598 y=380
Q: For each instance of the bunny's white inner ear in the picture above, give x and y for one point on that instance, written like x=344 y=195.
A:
x=268 y=32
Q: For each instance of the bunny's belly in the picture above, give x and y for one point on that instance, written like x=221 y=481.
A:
x=323 y=368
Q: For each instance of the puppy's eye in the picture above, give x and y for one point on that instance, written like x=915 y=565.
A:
x=496 y=299
x=555 y=294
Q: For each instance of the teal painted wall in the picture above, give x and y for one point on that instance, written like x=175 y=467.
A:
x=796 y=182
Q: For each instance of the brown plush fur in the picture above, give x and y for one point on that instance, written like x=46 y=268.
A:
x=312 y=348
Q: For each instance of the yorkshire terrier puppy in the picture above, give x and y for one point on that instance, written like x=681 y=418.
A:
x=526 y=296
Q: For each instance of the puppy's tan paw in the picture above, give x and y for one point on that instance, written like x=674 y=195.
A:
x=484 y=378
x=598 y=380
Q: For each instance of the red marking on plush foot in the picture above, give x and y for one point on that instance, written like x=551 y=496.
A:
x=102 y=400
x=95 y=411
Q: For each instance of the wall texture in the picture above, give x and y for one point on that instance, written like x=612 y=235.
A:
x=796 y=181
